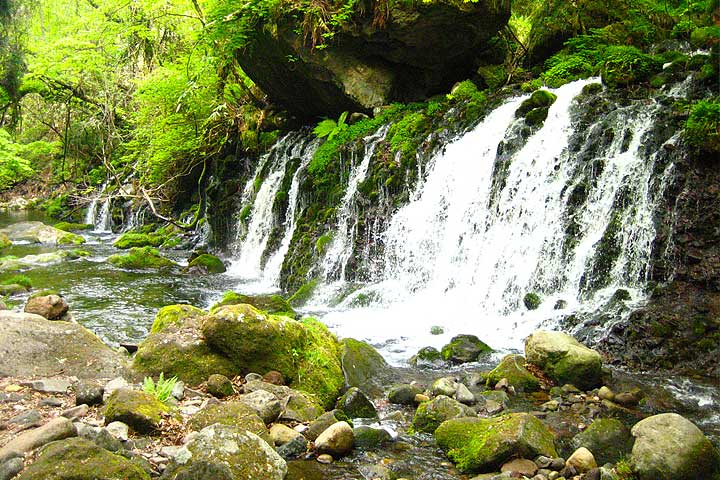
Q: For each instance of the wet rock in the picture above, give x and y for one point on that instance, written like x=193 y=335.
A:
x=464 y=348
x=604 y=393
x=32 y=346
x=228 y=453
x=670 y=447
x=234 y=414
x=55 y=429
x=512 y=367
x=140 y=410
x=142 y=258
x=444 y=386
x=273 y=304
x=298 y=407
x=355 y=404
x=220 y=386
x=582 y=460
x=607 y=438
x=426 y=356
x=322 y=423
x=464 y=395
x=520 y=466
x=429 y=415
x=264 y=403
x=370 y=437
x=88 y=392
x=482 y=445
x=52 y=307
x=294 y=448
x=80 y=459
x=403 y=394
x=564 y=359
x=205 y=264
x=337 y=440
x=363 y=366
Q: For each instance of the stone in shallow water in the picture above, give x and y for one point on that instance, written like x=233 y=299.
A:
x=337 y=440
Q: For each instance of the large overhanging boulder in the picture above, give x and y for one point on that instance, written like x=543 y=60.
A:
x=386 y=51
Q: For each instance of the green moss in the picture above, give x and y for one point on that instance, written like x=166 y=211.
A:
x=70 y=239
x=513 y=368
x=4 y=241
x=627 y=65
x=130 y=240
x=173 y=314
x=234 y=414
x=362 y=364
x=69 y=227
x=141 y=259
x=304 y=293
x=319 y=370
x=76 y=253
x=532 y=300
x=702 y=128
x=141 y=411
x=483 y=445
x=207 y=263
x=494 y=76
x=22 y=280
x=464 y=348
x=568 y=68
x=429 y=415
x=322 y=243
x=274 y=304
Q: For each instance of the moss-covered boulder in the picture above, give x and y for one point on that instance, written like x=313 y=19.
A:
x=141 y=258
x=513 y=368
x=205 y=264
x=38 y=232
x=564 y=359
x=538 y=99
x=670 y=447
x=176 y=347
x=464 y=348
x=484 y=444
x=355 y=404
x=34 y=346
x=227 y=453
x=73 y=227
x=305 y=352
x=234 y=414
x=363 y=366
x=429 y=415
x=11 y=289
x=607 y=438
x=80 y=459
x=627 y=65
x=4 y=241
x=382 y=52
x=426 y=356
x=274 y=304
x=139 y=410
x=131 y=240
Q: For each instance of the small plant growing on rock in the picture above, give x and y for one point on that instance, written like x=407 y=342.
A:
x=329 y=127
x=162 y=389
x=532 y=301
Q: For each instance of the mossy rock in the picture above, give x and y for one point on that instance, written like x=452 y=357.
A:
x=426 y=356
x=141 y=258
x=12 y=289
x=4 y=241
x=130 y=240
x=627 y=65
x=539 y=99
x=513 y=368
x=80 y=459
x=484 y=444
x=139 y=410
x=536 y=116
x=177 y=348
x=532 y=301
x=564 y=359
x=363 y=366
x=73 y=227
x=464 y=349
x=355 y=404
x=174 y=314
x=38 y=232
x=70 y=239
x=271 y=303
x=233 y=413
x=607 y=438
x=303 y=294
x=429 y=415
x=306 y=353
x=205 y=264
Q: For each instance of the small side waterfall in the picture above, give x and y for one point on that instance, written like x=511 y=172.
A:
x=100 y=217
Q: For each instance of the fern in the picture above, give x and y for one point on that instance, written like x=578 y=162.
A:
x=330 y=128
x=162 y=389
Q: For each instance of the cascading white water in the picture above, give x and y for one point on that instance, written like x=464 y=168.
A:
x=100 y=218
x=274 y=264
x=467 y=248
x=343 y=242
x=249 y=265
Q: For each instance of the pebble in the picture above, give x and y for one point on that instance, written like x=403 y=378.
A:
x=178 y=391
x=325 y=458
x=75 y=412
x=51 y=402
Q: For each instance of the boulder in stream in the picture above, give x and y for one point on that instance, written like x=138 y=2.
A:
x=52 y=307
x=141 y=258
x=38 y=232
x=564 y=359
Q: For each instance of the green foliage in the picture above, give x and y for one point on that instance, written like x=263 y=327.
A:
x=162 y=389
x=625 y=65
x=532 y=301
x=140 y=258
x=404 y=135
x=330 y=128
x=702 y=128
x=13 y=168
x=69 y=226
x=18 y=280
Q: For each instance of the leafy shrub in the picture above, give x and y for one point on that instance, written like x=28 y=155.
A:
x=702 y=128
x=162 y=389
x=568 y=68
x=13 y=168
x=625 y=65
x=329 y=127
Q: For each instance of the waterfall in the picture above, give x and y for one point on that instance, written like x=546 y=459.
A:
x=343 y=242
x=100 y=218
x=249 y=264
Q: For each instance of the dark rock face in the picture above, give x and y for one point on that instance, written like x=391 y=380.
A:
x=405 y=53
